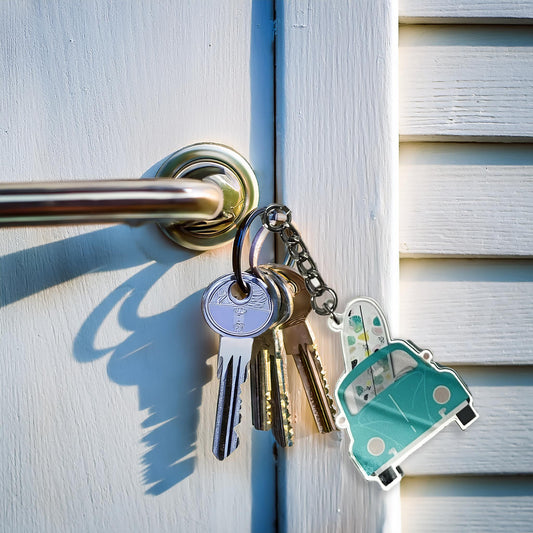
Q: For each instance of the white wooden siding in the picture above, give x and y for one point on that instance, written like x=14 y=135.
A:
x=445 y=505
x=466 y=199
x=469 y=312
x=485 y=95
x=457 y=11
x=475 y=199
x=337 y=170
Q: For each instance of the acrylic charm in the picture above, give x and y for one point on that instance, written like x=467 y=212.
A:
x=392 y=397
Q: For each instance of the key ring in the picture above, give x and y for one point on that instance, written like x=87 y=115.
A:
x=255 y=248
x=277 y=218
x=274 y=218
x=238 y=244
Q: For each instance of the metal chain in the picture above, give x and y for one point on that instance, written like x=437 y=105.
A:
x=278 y=219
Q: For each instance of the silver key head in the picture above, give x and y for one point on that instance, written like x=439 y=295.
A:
x=301 y=299
x=233 y=316
x=280 y=286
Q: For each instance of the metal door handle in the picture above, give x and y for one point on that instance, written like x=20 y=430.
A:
x=213 y=190
x=129 y=201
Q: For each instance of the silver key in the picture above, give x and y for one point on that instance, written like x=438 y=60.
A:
x=238 y=320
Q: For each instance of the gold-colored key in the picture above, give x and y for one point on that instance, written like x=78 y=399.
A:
x=260 y=382
x=299 y=342
x=268 y=376
x=280 y=407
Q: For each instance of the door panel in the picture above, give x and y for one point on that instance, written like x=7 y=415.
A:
x=337 y=90
x=107 y=370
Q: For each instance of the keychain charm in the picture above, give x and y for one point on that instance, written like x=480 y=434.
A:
x=392 y=397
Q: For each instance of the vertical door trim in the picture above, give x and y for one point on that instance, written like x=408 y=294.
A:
x=337 y=169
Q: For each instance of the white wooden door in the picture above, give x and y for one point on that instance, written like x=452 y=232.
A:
x=108 y=383
x=337 y=169
x=107 y=372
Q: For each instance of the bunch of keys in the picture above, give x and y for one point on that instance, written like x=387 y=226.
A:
x=392 y=397
x=293 y=337
x=261 y=318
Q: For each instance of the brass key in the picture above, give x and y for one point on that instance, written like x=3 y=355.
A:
x=260 y=382
x=268 y=370
x=281 y=417
x=299 y=342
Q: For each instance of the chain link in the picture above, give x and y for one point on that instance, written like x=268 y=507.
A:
x=278 y=219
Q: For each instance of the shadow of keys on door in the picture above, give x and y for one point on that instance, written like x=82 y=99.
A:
x=163 y=354
x=165 y=362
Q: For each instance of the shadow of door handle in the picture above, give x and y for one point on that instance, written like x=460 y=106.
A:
x=212 y=188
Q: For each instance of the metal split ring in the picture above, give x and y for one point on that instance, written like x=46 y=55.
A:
x=238 y=245
x=276 y=217
x=330 y=303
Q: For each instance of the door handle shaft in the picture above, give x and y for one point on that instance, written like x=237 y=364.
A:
x=128 y=201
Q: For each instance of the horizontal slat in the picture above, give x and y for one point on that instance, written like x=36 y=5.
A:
x=470 y=82
x=499 y=442
x=469 y=312
x=466 y=199
x=473 y=505
x=448 y=11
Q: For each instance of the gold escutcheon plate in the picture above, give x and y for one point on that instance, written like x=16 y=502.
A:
x=226 y=168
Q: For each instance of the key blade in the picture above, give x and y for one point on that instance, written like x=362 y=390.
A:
x=298 y=341
x=281 y=417
x=260 y=382
x=234 y=355
x=225 y=438
x=316 y=387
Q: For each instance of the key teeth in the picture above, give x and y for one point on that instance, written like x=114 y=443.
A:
x=268 y=410
x=225 y=438
x=261 y=389
x=324 y=379
x=324 y=382
x=287 y=431
x=281 y=416
x=324 y=414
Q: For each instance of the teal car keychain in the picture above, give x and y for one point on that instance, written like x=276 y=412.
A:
x=392 y=397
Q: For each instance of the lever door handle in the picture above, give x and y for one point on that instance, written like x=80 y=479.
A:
x=213 y=189
x=128 y=201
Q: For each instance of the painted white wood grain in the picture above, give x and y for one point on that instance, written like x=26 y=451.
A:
x=455 y=505
x=466 y=82
x=337 y=170
x=107 y=380
x=457 y=11
x=498 y=442
x=468 y=312
x=469 y=83
x=469 y=199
